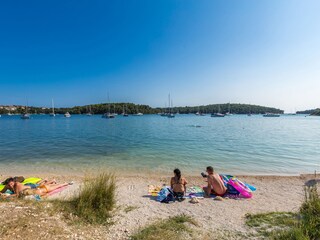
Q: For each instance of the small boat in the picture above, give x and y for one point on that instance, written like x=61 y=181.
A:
x=170 y=114
x=217 y=115
x=138 y=114
x=90 y=112
x=67 y=115
x=229 y=111
x=52 y=114
x=9 y=114
x=271 y=115
x=25 y=116
x=124 y=114
x=108 y=115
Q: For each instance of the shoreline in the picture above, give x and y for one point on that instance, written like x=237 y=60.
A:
x=273 y=194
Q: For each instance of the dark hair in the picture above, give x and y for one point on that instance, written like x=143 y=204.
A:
x=8 y=180
x=178 y=173
x=210 y=169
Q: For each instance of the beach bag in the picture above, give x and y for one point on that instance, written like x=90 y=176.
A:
x=230 y=188
x=165 y=195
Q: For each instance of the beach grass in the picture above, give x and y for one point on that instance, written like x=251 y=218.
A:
x=285 y=225
x=172 y=228
x=94 y=202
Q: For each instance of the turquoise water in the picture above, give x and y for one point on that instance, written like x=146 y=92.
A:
x=236 y=144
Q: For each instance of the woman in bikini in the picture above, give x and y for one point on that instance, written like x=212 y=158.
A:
x=178 y=185
x=21 y=190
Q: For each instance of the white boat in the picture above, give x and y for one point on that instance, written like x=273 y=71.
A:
x=90 y=112
x=138 y=114
x=9 y=114
x=218 y=114
x=26 y=115
x=67 y=115
x=229 y=111
x=109 y=114
x=52 y=114
x=170 y=114
x=271 y=115
x=124 y=112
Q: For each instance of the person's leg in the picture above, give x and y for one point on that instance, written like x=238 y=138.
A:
x=53 y=187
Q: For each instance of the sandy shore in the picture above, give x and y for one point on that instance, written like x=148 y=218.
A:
x=274 y=193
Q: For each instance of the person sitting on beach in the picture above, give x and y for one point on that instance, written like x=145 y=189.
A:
x=178 y=185
x=19 y=189
x=215 y=184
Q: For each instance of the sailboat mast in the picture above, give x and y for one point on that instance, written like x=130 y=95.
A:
x=169 y=103
x=52 y=103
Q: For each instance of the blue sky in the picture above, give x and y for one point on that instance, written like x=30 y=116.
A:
x=202 y=52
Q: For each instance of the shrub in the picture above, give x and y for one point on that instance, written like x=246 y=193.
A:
x=95 y=201
x=172 y=228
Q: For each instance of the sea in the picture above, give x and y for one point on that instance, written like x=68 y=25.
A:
x=237 y=144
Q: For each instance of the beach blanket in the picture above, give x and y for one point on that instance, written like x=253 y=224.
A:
x=194 y=192
x=153 y=190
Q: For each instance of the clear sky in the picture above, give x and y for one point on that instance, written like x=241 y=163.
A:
x=202 y=52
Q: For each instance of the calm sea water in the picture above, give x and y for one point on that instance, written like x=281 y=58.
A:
x=235 y=144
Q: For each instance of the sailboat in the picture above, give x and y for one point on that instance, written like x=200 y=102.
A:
x=218 y=114
x=108 y=114
x=170 y=114
x=52 y=114
x=271 y=115
x=229 y=111
x=90 y=112
x=124 y=112
x=26 y=115
x=67 y=115
x=138 y=113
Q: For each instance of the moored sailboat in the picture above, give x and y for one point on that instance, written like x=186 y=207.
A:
x=52 y=114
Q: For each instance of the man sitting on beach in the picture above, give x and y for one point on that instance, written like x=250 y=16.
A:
x=215 y=184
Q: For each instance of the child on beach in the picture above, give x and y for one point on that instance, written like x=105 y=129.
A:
x=178 y=185
x=215 y=184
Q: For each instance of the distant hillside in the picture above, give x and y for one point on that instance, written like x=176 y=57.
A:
x=313 y=112
x=235 y=108
x=316 y=112
x=132 y=108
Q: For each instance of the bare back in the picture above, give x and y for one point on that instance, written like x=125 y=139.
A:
x=216 y=184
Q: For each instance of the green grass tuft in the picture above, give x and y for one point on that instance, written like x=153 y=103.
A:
x=173 y=228
x=299 y=226
x=95 y=201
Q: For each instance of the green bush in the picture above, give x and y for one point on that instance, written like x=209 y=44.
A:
x=173 y=228
x=95 y=201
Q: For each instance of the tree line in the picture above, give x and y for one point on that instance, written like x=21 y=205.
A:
x=131 y=108
x=313 y=112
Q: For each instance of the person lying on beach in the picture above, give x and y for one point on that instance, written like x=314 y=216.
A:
x=178 y=185
x=19 y=189
x=215 y=184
